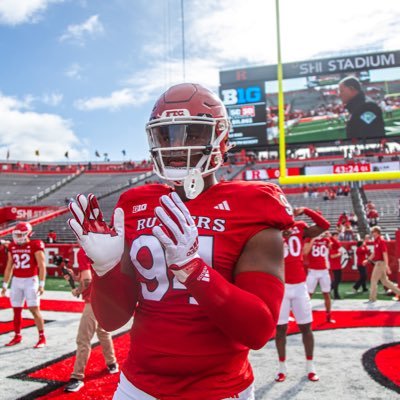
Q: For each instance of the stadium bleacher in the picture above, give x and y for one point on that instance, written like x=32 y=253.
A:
x=387 y=204
x=20 y=188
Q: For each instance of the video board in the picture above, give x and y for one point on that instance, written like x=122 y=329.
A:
x=314 y=111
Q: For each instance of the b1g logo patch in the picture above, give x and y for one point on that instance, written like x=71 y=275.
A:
x=368 y=117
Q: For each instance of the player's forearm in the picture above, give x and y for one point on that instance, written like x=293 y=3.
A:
x=42 y=273
x=7 y=274
x=113 y=297
x=317 y=218
x=247 y=311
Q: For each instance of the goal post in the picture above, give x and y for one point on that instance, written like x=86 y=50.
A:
x=283 y=178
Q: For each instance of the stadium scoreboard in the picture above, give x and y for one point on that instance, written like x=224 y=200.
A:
x=252 y=108
x=245 y=105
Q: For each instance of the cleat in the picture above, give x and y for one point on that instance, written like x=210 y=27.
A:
x=113 y=368
x=329 y=318
x=15 y=340
x=73 y=385
x=41 y=343
x=280 y=377
x=313 y=377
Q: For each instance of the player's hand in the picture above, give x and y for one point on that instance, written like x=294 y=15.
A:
x=3 y=292
x=180 y=237
x=102 y=243
x=365 y=262
x=75 y=292
x=298 y=211
x=40 y=290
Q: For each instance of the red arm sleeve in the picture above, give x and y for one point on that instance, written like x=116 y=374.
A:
x=317 y=218
x=246 y=311
x=113 y=297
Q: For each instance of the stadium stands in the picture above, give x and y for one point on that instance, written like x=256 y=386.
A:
x=20 y=188
x=386 y=201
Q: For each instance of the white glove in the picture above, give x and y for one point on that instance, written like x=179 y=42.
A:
x=103 y=244
x=181 y=240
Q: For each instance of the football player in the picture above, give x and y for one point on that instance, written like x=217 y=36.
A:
x=26 y=262
x=317 y=250
x=200 y=264
x=296 y=298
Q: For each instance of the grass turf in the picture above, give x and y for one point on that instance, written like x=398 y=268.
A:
x=333 y=130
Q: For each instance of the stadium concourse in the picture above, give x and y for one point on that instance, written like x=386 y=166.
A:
x=357 y=357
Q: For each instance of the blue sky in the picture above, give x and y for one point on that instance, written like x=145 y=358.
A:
x=82 y=75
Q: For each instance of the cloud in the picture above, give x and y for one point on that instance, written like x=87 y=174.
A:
x=52 y=99
x=14 y=12
x=78 y=33
x=115 y=101
x=23 y=131
x=74 y=71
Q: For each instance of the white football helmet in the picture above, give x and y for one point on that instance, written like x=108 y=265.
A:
x=188 y=135
x=22 y=232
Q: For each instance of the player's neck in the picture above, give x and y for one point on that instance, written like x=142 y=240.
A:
x=209 y=181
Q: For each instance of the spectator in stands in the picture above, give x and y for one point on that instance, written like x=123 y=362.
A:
x=366 y=120
x=362 y=253
x=348 y=232
x=370 y=205
x=380 y=259
x=346 y=190
x=51 y=236
x=326 y=195
x=343 y=219
x=332 y=193
x=373 y=217
x=87 y=327
x=340 y=232
x=353 y=219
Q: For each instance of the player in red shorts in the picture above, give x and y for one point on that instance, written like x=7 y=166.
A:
x=296 y=296
x=26 y=262
x=207 y=285
x=318 y=273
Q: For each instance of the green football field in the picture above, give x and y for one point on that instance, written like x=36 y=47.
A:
x=316 y=131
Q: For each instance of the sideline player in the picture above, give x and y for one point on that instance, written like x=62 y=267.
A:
x=335 y=264
x=317 y=250
x=296 y=297
x=207 y=287
x=26 y=262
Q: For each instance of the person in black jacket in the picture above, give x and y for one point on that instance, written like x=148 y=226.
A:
x=366 y=120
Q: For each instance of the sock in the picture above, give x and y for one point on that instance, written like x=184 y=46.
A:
x=41 y=333
x=282 y=366
x=310 y=365
x=17 y=320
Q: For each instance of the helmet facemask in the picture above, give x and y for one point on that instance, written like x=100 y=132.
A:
x=21 y=233
x=185 y=149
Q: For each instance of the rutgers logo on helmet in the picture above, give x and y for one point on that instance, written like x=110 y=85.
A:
x=188 y=135
x=22 y=232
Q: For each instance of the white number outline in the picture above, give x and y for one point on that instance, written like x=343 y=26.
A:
x=159 y=270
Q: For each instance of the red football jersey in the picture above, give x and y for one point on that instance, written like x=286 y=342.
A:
x=23 y=256
x=317 y=257
x=294 y=268
x=176 y=351
x=335 y=263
